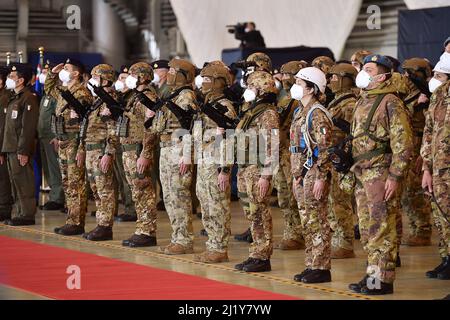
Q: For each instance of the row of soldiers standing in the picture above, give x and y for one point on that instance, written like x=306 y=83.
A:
x=385 y=118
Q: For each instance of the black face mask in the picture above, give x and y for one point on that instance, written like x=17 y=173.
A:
x=421 y=84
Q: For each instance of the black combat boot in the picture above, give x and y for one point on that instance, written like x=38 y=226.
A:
x=299 y=277
x=204 y=233
x=398 y=261
x=20 y=222
x=126 y=217
x=356 y=287
x=240 y=266
x=356 y=232
x=52 y=206
x=384 y=288
x=246 y=236
x=317 y=276
x=5 y=215
x=141 y=240
x=100 y=233
x=444 y=274
x=257 y=265
x=433 y=273
x=69 y=230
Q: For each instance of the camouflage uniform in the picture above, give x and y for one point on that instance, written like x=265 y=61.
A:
x=216 y=215
x=435 y=153
x=140 y=142
x=259 y=120
x=374 y=163
x=98 y=140
x=73 y=177
x=340 y=202
x=416 y=205
x=174 y=145
x=313 y=213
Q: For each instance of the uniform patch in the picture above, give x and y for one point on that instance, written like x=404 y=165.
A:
x=14 y=114
x=45 y=102
x=323 y=130
x=29 y=107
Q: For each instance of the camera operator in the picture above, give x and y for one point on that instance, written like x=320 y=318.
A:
x=248 y=35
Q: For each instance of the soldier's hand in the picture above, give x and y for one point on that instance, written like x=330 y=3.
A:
x=223 y=181
x=263 y=185
x=23 y=159
x=142 y=164
x=58 y=68
x=149 y=114
x=183 y=167
x=390 y=188
x=220 y=131
x=55 y=143
x=427 y=181
x=423 y=98
x=2 y=159
x=418 y=166
x=80 y=158
x=318 y=189
x=105 y=163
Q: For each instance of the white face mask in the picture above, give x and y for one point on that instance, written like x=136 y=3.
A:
x=249 y=95
x=433 y=84
x=198 y=81
x=156 y=78
x=64 y=76
x=297 y=92
x=92 y=83
x=131 y=82
x=363 y=79
x=278 y=85
x=10 y=84
x=42 y=78
x=119 y=85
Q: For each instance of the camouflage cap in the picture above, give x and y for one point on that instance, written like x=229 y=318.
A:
x=105 y=71
x=292 y=67
x=418 y=64
x=323 y=63
x=185 y=67
x=216 y=70
x=344 y=70
x=262 y=81
x=359 y=56
x=142 y=70
x=262 y=60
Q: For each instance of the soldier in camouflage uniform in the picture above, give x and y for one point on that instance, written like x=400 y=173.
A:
x=342 y=83
x=67 y=132
x=435 y=152
x=325 y=64
x=259 y=124
x=310 y=136
x=262 y=63
x=292 y=235
x=176 y=157
x=213 y=172
x=417 y=207
x=97 y=148
x=382 y=148
x=357 y=59
x=138 y=142
x=122 y=186
x=6 y=200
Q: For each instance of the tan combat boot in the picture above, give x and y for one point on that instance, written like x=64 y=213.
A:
x=174 y=249
x=290 y=244
x=211 y=257
x=341 y=253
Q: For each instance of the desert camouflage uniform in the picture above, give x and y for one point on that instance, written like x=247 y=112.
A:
x=377 y=218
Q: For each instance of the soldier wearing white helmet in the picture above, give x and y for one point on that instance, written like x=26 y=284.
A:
x=310 y=137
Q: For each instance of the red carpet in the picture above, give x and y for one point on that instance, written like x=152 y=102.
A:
x=41 y=269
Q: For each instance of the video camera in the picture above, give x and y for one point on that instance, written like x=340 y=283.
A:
x=237 y=28
x=243 y=65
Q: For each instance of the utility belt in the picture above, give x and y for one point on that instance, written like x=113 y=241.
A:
x=384 y=149
x=122 y=126
x=68 y=136
x=95 y=146
x=132 y=147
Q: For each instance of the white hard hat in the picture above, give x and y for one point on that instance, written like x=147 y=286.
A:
x=442 y=66
x=314 y=75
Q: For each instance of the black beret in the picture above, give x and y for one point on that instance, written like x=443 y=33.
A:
x=4 y=71
x=160 y=64
x=76 y=63
x=23 y=68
